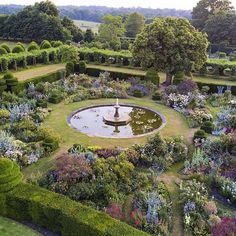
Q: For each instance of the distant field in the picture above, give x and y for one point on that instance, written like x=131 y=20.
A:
x=84 y=25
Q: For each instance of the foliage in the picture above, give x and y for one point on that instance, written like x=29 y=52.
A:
x=110 y=30
x=167 y=35
x=134 y=24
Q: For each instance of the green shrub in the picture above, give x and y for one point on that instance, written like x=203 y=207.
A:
x=10 y=175
x=200 y=134
x=33 y=46
x=18 y=49
x=6 y=47
x=80 y=67
x=11 y=81
x=4 y=115
x=70 y=68
x=156 y=96
x=3 y=85
x=50 y=144
x=208 y=127
x=42 y=103
x=45 y=44
x=55 y=97
x=138 y=93
x=221 y=55
x=2 y=51
x=56 y=44
x=153 y=76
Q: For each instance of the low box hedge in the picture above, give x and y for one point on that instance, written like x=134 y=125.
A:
x=213 y=87
x=51 y=77
x=60 y=214
x=95 y=72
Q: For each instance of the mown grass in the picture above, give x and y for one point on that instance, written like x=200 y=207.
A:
x=35 y=71
x=162 y=75
x=12 y=228
x=57 y=120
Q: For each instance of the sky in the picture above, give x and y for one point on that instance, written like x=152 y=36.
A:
x=178 y=4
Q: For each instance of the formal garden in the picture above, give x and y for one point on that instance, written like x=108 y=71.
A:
x=97 y=141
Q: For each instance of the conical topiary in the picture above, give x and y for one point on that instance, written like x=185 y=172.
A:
x=10 y=175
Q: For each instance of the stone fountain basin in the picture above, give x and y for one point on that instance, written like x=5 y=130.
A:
x=123 y=119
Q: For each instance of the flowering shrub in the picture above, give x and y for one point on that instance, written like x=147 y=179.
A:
x=178 y=101
x=227 y=187
x=114 y=210
x=227 y=227
x=187 y=86
x=139 y=88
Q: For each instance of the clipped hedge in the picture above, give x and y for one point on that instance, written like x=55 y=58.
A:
x=213 y=87
x=95 y=72
x=123 y=58
x=51 y=77
x=10 y=175
x=60 y=214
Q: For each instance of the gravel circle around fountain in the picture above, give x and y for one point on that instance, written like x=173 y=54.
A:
x=138 y=129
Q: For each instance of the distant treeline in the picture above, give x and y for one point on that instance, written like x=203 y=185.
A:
x=95 y=13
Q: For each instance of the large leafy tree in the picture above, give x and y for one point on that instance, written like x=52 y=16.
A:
x=221 y=28
x=206 y=8
x=171 y=45
x=47 y=7
x=134 y=24
x=110 y=30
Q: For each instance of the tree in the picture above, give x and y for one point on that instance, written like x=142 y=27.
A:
x=89 y=36
x=110 y=30
x=73 y=29
x=134 y=24
x=47 y=7
x=207 y=8
x=220 y=28
x=171 y=45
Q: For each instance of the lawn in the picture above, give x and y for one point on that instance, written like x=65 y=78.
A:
x=84 y=25
x=37 y=70
x=11 y=228
x=162 y=75
x=57 y=120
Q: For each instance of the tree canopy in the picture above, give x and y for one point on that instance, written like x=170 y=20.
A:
x=134 y=24
x=207 y=8
x=111 y=29
x=171 y=45
x=37 y=23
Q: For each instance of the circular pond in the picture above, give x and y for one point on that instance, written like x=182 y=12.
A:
x=91 y=121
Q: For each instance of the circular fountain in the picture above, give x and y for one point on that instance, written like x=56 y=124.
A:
x=116 y=121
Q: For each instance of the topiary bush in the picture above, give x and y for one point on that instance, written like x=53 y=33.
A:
x=70 y=68
x=10 y=175
x=3 y=85
x=33 y=46
x=11 y=81
x=45 y=44
x=3 y=51
x=156 y=96
x=80 y=67
x=6 y=47
x=18 y=49
x=200 y=134
x=153 y=76
x=208 y=127
x=56 y=44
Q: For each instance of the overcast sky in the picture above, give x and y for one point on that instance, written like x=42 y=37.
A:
x=178 y=4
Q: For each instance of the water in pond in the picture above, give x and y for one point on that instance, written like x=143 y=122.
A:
x=90 y=121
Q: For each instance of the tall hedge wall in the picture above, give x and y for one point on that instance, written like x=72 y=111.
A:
x=60 y=214
x=25 y=202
